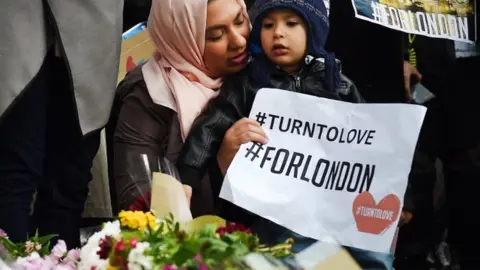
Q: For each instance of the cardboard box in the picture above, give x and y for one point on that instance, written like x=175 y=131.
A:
x=135 y=50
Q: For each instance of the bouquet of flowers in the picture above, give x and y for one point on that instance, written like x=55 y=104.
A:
x=35 y=254
x=140 y=241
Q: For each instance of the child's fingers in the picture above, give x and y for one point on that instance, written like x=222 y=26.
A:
x=258 y=129
x=247 y=121
x=252 y=137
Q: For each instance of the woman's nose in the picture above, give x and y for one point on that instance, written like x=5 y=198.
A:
x=237 y=40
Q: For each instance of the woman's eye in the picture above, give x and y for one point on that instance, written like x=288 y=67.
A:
x=214 y=35
x=240 y=22
x=215 y=38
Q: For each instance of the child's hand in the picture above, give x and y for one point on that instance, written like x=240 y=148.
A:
x=405 y=218
x=243 y=131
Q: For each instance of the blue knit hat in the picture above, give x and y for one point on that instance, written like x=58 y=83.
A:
x=315 y=15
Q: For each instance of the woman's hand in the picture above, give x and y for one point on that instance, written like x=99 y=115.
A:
x=243 y=131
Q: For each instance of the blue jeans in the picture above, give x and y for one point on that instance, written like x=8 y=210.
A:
x=271 y=234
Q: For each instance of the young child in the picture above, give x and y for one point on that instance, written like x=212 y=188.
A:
x=287 y=45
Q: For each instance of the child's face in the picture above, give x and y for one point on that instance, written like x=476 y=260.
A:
x=284 y=39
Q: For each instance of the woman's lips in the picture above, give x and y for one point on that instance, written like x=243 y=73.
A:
x=239 y=59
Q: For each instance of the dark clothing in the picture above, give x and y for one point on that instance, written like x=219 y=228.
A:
x=371 y=54
x=134 y=12
x=249 y=3
x=462 y=164
x=137 y=127
x=235 y=102
x=42 y=149
x=449 y=132
x=435 y=60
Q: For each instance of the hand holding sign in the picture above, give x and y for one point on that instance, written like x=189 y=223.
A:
x=321 y=154
x=243 y=131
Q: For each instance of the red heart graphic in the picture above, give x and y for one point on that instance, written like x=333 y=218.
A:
x=130 y=64
x=375 y=218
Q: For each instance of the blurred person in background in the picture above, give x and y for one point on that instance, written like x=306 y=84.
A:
x=430 y=63
x=57 y=83
x=134 y=12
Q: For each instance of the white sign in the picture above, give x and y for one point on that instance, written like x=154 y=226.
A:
x=455 y=21
x=330 y=168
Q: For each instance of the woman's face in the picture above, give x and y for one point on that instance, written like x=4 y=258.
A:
x=226 y=38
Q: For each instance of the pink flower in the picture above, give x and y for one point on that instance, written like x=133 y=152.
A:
x=38 y=247
x=202 y=266
x=70 y=261
x=133 y=242
x=29 y=245
x=66 y=265
x=73 y=255
x=48 y=263
x=59 y=250
x=169 y=267
x=3 y=234
x=34 y=262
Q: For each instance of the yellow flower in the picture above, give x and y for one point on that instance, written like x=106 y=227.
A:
x=137 y=220
x=152 y=221
x=111 y=267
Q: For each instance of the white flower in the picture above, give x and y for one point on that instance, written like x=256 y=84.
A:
x=137 y=260
x=112 y=228
x=88 y=253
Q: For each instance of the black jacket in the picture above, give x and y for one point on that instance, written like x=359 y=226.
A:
x=235 y=102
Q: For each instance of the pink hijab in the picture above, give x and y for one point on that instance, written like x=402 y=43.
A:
x=177 y=28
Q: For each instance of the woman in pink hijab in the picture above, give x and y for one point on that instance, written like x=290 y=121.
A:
x=198 y=42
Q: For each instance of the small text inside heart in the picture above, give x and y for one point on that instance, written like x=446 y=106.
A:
x=374 y=213
x=372 y=217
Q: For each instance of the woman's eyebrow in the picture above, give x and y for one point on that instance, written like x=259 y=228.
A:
x=222 y=26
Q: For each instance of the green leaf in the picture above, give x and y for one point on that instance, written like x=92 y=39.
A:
x=231 y=238
x=35 y=237
x=177 y=227
x=218 y=244
x=45 y=250
x=12 y=247
x=129 y=234
x=44 y=239
x=183 y=255
x=209 y=229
